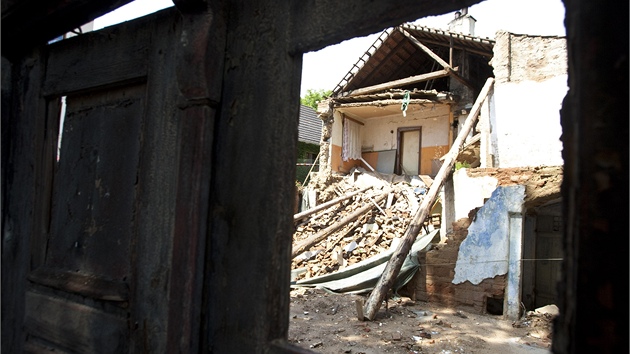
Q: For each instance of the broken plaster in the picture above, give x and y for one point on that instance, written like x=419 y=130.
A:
x=485 y=251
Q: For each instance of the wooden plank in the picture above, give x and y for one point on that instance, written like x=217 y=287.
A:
x=396 y=83
x=23 y=125
x=427 y=180
x=94 y=190
x=253 y=183
x=328 y=204
x=45 y=175
x=306 y=244
x=76 y=327
x=461 y=79
x=86 y=285
x=198 y=68
x=110 y=56
x=327 y=22
x=157 y=193
x=392 y=269
x=427 y=50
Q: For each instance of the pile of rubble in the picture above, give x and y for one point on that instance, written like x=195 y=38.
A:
x=359 y=227
x=540 y=324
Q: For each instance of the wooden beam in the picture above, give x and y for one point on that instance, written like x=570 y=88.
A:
x=392 y=269
x=461 y=47
x=306 y=244
x=427 y=50
x=382 y=103
x=330 y=203
x=459 y=78
x=450 y=50
x=396 y=83
x=316 y=24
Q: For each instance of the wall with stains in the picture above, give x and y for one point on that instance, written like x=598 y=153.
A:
x=485 y=251
x=531 y=82
x=380 y=139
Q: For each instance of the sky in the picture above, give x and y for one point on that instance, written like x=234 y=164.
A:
x=325 y=68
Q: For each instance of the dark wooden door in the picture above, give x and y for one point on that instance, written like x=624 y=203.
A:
x=548 y=254
x=115 y=256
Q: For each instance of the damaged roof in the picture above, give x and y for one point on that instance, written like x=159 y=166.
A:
x=394 y=56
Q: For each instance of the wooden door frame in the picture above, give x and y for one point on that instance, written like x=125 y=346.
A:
x=399 y=142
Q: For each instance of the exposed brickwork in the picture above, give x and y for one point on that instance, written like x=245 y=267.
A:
x=542 y=183
x=433 y=282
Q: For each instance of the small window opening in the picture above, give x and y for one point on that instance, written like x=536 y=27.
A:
x=494 y=306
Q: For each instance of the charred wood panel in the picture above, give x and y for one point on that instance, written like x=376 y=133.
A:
x=94 y=192
x=19 y=202
x=75 y=327
x=113 y=56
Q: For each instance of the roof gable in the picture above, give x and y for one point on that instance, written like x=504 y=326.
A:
x=395 y=55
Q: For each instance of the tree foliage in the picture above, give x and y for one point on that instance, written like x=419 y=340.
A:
x=312 y=97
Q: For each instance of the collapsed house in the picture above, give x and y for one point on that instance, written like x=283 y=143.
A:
x=399 y=111
x=182 y=296
x=309 y=133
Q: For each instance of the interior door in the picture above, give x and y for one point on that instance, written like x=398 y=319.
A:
x=409 y=151
x=109 y=215
x=549 y=255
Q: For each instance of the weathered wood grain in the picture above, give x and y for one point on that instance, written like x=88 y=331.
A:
x=26 y=134
x=86 y=285
x=76 y=327
x=113 y=55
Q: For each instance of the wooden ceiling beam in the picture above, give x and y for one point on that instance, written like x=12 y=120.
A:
x=397 y=83
x=427 y=50
x=319 y=23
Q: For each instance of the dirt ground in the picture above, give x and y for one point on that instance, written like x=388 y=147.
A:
x=327 y=323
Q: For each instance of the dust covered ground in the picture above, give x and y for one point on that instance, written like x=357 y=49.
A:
x=327 y=323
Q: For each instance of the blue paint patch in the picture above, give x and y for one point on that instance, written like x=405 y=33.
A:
x=484 y=252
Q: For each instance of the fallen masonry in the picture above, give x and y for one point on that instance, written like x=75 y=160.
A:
x=360 y=227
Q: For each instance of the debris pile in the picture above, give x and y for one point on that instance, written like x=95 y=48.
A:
x=540 y=324
x=356 y=228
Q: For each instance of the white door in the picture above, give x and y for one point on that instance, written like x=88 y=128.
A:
x=410 y=152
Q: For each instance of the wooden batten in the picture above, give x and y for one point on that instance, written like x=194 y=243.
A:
x=397 y=83
x=426 y=49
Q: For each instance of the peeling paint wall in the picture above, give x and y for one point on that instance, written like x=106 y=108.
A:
x=380 y=135
x=471 y=193
x=531 y=82
x=484 y=252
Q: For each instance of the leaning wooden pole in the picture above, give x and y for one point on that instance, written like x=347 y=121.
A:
x=392 y=269
x=306 y=244
x=328 y=204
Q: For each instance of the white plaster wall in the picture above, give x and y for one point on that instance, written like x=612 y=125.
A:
x=381 y=133
x=337 y=129
x=470 y=193
x=526 y=122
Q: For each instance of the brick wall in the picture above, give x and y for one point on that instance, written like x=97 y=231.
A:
x=433 y=282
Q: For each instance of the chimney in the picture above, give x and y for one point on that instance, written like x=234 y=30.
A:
x=463 y=23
